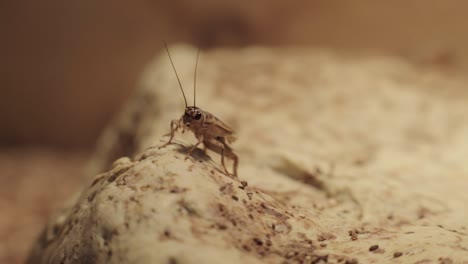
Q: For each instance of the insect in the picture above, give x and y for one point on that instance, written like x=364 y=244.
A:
x=207 y=128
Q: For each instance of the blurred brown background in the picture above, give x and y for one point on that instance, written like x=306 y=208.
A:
x=66 y=68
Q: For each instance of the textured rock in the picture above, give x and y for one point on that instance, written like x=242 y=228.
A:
x=345 y=160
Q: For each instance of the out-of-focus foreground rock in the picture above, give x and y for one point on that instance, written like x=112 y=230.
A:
x=341 y=160
x=33 y=184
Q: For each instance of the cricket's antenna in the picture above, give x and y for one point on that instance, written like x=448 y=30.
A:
x=195 y=79
x=172 y=63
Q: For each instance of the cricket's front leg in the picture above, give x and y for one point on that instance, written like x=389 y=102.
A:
x=200 y=140
x=175 y=124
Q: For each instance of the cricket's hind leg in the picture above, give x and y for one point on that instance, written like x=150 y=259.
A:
x=220 y=147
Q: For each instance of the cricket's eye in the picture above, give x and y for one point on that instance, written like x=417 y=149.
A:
x=198 y=116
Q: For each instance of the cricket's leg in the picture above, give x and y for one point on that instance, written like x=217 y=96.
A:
x=200 y=140
x=223 y=149
x=228 y=152
x=175 y=124
x=234 y=157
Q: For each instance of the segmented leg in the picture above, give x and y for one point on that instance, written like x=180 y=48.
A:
x=219 y=146
x=175 y=124
x=200 y=140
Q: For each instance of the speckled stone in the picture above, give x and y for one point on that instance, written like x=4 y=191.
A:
x=339 y=155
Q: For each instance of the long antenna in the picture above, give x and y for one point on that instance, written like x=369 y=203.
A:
x=172 y=63
x=195 y=79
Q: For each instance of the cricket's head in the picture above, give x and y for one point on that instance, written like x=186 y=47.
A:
x=193 y=116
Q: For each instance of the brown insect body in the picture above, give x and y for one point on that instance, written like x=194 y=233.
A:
x=207 y=128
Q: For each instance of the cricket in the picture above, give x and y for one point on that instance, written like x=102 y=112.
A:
x=207 y=128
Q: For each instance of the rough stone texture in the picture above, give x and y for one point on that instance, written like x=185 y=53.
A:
x=344 y=159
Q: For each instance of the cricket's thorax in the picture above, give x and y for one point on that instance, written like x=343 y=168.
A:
x=201 y=122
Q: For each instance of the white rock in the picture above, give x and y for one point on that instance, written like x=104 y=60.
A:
x=339 y=154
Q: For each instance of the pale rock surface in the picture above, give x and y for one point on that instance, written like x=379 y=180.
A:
x=338 y=155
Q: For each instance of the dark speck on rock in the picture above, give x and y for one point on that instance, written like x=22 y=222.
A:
x=258 y=241
x=374 y=247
